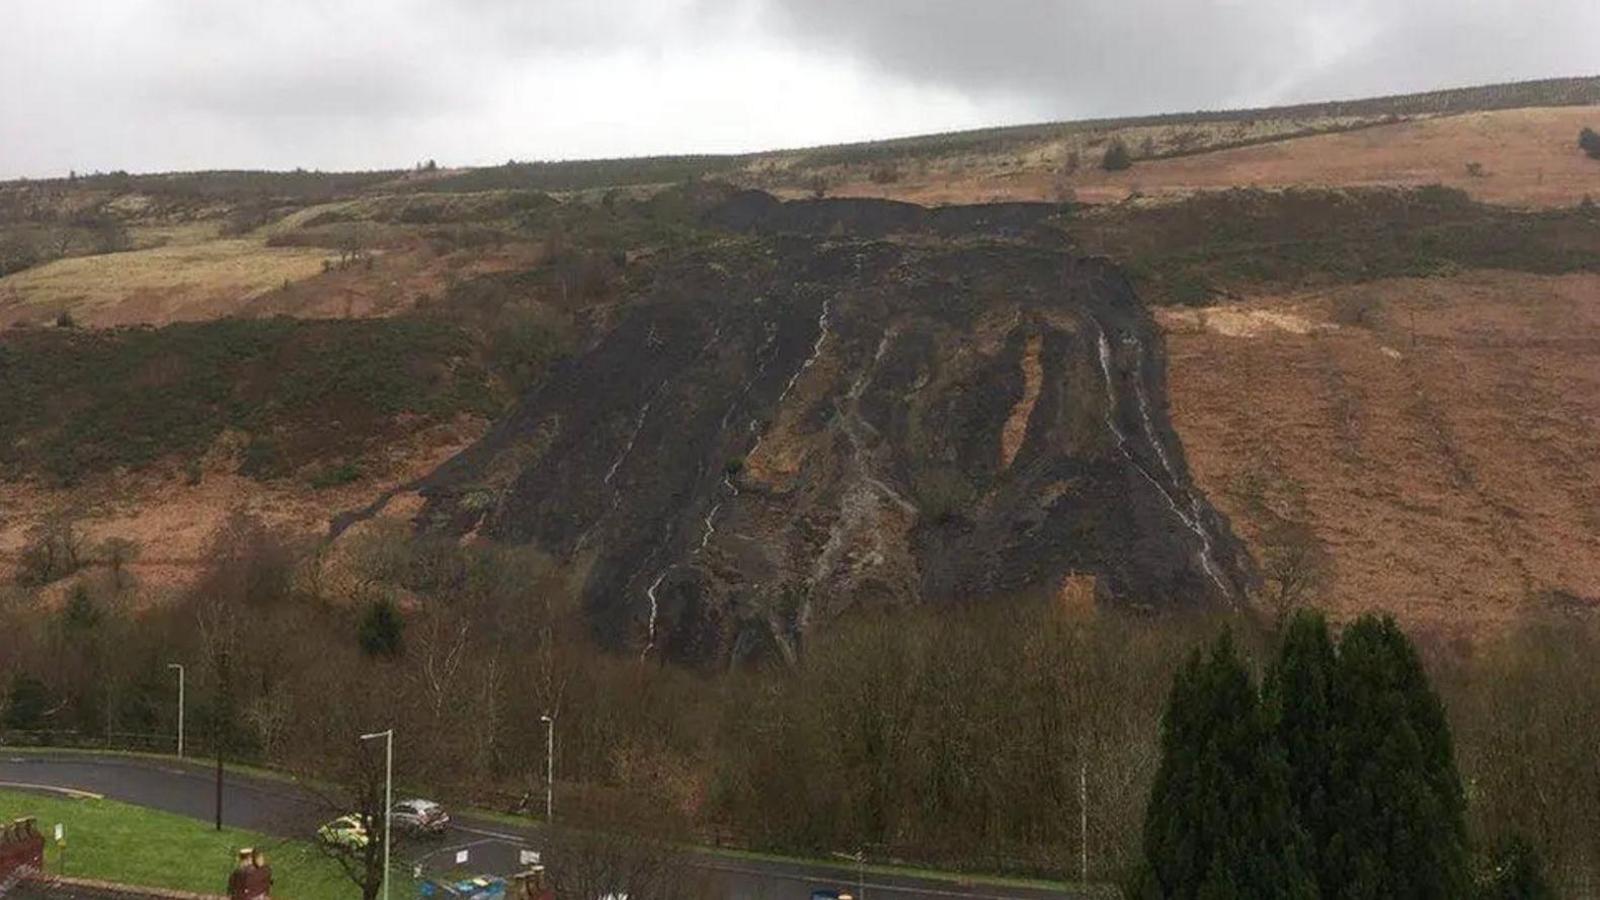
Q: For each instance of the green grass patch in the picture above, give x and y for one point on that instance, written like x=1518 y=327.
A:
x=336 y=476
x=113 y=841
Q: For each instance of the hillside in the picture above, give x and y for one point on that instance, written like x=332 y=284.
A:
x=795 y=428
x=738 y=417
x=1518 y=157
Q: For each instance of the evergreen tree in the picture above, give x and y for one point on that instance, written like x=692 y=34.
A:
x=381 y=632
x=1219 y=824
x=1398 y=806
x=1117 y=157
x=25 y=703
x=1299 y=690
x=81 y=615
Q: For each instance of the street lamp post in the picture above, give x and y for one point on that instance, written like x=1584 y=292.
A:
x=860 y=859
x=549 y=765
x=388 y=799
x=179 y=667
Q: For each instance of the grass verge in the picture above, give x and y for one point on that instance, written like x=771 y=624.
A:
x=112 y=841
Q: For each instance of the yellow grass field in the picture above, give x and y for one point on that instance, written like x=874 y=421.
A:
x=182 y=281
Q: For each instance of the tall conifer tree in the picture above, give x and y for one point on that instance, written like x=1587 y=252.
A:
x=1398 y=806
x=1220 y=825
x=1299 y=691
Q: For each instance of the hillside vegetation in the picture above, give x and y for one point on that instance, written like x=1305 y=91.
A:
x=1219 y=245
x=295 y=392
x=442 y=295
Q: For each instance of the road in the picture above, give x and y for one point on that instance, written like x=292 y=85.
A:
x=282 y=808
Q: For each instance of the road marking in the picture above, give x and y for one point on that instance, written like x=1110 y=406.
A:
x=54 y=789
x=420 y=860
x=500 y=835
x=836 y=878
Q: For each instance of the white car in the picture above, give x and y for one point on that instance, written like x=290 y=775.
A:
x=419 y=817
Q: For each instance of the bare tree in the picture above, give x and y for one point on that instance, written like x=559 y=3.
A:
x=117 y=553
x=621 y=859
x=1295 y=564
x=357 y=790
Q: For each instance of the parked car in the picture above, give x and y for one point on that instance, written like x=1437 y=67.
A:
x=345 y=833
x=419 y=817
x=830 y=894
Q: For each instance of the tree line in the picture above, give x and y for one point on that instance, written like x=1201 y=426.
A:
x=1013 y=734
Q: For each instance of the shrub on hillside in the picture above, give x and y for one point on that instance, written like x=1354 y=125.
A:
x=1117 y=157
x=1356 y=310
x=1515 y=873
x=381 y=632
x=884 y=174
x=338 y=475
x=17 y=252
x=55 y=550
x=26 y=703
x=1589 y=141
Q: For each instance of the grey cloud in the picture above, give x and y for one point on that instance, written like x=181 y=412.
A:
x=162 y=83
x=1109 y=57
x=1088 y=58
x=295 y=58
x=1425 y=44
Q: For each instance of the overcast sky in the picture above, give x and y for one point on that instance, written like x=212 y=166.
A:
x=153 y=85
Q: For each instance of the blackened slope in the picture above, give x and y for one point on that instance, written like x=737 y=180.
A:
x=761 y=213
x=1132 y=358
x=619 y=453
x=757 y=449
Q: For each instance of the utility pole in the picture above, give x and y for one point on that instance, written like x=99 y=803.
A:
x=219 y=784
x=179 y=667
x=223 y=727
x=860 y=859
x=549 y=767
x=388 y=795
x=1083 y=818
